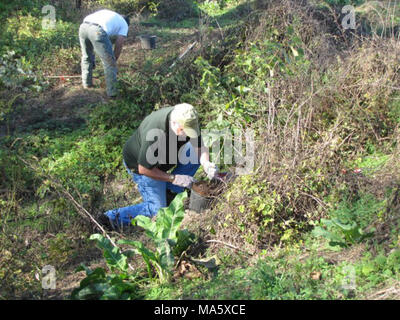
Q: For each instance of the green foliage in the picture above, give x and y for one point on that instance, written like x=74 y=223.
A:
x=339 y=233
x=254 y=69
x=99 y=286
x=114 y=258
x=348 y=221
x=16 y=73
x=394 y=107
x=184 y=238
x=24 y=35
x=120 y=284
x=125 y=113
x=344 y=2
x=60 y=249
x=175 y=10
x=79 y=160
x=164 y=234
x=239 y=81
x=264 y=215
x=272 y=278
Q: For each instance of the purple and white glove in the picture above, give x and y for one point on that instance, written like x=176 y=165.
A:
x=183 y=180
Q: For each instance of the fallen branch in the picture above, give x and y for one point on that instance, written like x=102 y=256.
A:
x=229 y=245
x=81 y=210
x=60 y=77
x=385 y=293
x=183 y=54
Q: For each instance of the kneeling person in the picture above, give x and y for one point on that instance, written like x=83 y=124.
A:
x=177 y=135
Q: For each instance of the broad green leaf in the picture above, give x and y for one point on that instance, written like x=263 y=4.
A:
x=93 y=291
x=148 y=225
x=177 y=204
x=113 y=255
x=344 y=226
x=98 y=275
x=184 y=240
x=166 y=256
x=319 y=232
x=332 y=237
x=140 y=249
x=367 y=269
x=111 y=293
x=82 y=267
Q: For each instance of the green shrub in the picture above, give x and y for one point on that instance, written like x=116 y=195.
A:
x=175 y=10
x=99 y=286
x=17 y=74
x=346 y=224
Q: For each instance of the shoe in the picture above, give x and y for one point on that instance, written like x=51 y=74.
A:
x=170 y=197
x=108 y=223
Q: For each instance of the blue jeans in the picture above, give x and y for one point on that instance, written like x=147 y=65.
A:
x=94 y=39
x=153 y=193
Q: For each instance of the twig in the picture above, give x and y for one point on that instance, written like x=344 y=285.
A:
x=228 y=245
x=63 y=77
x=26 y=218
x=183 y=54
x=81 y=210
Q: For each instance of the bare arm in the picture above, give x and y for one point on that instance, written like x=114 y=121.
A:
x=119 y=43
x=155 y=174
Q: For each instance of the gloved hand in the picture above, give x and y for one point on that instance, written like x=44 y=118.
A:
x=210 y=169
x=183 y=180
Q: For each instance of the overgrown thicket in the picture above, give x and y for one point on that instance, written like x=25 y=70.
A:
x=317 y=102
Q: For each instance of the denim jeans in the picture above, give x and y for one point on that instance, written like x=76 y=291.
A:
x=153 y=193
x=94 y=39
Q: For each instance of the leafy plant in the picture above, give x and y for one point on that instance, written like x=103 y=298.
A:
x=99 y=285
x=164 y=233
x=17 y=73
x=114 y=258
x=340 y=233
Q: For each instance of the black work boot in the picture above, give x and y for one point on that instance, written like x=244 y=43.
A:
x=170 y=197
x=107 y=223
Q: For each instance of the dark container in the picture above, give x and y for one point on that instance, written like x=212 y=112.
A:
x=148 y=42
x=197 y=202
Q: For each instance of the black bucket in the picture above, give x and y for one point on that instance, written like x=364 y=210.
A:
x=148 y=42
x=197 y=202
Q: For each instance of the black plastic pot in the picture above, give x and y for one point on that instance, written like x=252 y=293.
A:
x=148 y=42
x=197 y=202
